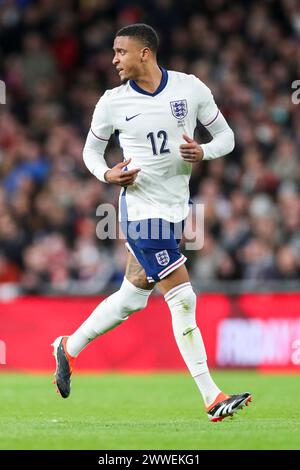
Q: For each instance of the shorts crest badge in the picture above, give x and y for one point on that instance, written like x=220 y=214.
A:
x=162 y=257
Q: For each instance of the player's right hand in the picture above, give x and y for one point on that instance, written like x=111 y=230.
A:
x=121 y=177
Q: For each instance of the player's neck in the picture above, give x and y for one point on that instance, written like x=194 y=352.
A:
x=150 y=80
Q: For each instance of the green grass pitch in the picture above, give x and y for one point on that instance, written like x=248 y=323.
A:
x=155 y=411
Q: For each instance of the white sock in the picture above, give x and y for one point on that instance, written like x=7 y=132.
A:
x=182 y=303
x=108 y=314
x=208 y=389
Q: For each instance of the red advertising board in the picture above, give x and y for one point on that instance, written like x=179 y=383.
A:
x=252 y=330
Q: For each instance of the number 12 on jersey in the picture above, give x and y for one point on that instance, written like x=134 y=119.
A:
x=161 y=135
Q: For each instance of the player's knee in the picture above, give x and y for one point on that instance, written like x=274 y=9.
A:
x=132 y=298
x=189 y=302
x=134 y=304
x=139 y=280
x=183 y=298
x=182 y=304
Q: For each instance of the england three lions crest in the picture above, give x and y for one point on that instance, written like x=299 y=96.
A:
x=162 y=257
x=179 y=109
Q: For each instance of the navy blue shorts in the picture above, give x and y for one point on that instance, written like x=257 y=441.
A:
x=155 y=244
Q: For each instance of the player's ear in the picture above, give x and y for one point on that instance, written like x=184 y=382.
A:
x=145 y=52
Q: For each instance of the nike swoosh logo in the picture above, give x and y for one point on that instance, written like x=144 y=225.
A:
x=189 y=331
x=131 y=117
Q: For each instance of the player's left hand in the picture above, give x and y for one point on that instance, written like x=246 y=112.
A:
x=191 y=151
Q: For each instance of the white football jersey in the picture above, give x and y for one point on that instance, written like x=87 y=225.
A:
x=150 y=128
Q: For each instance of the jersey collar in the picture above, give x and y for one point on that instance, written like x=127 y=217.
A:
x=162 y=85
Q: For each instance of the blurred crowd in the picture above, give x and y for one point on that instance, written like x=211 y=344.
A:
x=55 y=59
